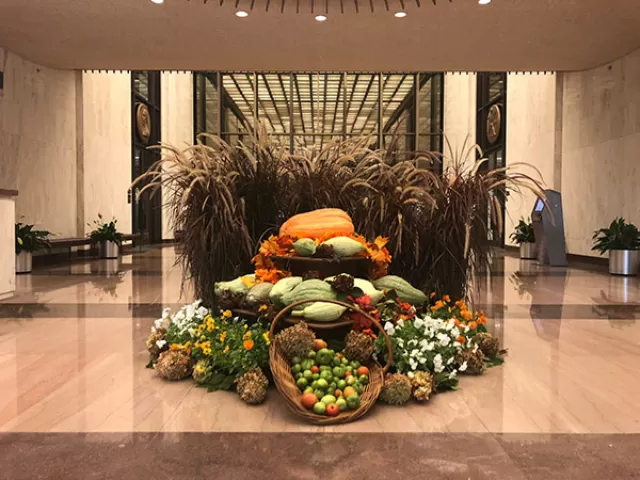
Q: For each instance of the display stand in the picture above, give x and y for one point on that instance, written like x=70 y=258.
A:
x=548 y=224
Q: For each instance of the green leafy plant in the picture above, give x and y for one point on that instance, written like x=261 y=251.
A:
x=105 y=232
x=523 y=232
x=620 y=235
x=30 y=240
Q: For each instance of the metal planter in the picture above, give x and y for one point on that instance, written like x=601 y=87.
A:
x=24 y=262
x=624 y=262
x=108 y=249
x=528 y=251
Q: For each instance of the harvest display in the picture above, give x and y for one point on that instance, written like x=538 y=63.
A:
x=319 y=276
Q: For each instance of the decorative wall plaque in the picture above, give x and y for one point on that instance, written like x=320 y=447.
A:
x=143 y=123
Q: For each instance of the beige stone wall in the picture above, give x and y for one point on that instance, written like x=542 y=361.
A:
x=600 y=149
x=7 y=247
x=177 y=125
x=106 y=147
x=38 y=143
x=459 y=114
x=531 y=137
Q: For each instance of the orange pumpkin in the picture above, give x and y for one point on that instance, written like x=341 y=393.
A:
x=317 y=223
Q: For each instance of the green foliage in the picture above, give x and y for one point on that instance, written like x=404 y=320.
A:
x=523 y=232
x=619 y=236
x=30 y=240
x=103 y=231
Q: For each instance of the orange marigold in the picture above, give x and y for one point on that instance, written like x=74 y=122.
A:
x=473 y=325
x=461 y=339
x=248 y=344
x=447 y=299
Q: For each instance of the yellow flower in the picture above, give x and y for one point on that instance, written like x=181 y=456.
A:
x=200 y=368
x=206 y=351
x=247 y=335
x=262 y=308
x=267 y=340
x=248 y=344
x=226 y=349
x=175 y=346
x=201 y=328
x=203 y=338
x=210 y=328
x=223 y=336
x=226 y=314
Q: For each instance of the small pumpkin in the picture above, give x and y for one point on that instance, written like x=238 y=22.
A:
x=316 y=223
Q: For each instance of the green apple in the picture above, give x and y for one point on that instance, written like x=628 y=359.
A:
x=319 y=408
x=342 y=404
x=322 y=384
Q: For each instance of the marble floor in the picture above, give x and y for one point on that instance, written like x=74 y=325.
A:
x=74 y=385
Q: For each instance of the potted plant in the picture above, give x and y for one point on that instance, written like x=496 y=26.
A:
x=622 y=241
x=107 y=237
x=28 y=241
x=524 y=236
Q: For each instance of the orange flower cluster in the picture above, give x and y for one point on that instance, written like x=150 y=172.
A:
x=462 y=316
x=283 y=246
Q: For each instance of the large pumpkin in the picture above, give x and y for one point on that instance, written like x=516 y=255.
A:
x=317 y=223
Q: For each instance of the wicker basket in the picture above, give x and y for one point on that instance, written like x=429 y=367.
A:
x=286 y=384
x=325 y=267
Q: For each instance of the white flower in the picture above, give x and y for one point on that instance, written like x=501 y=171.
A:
x=410 y=375
x=455 y=332
x=179 y=316
x=466 y=329
x=415 y=353
x=154 y=329
x=158 y=323
x=400 y=342
x=190 y=312
x=202 y=312
x=450 y=361
x=400 y=323
x=437 y=363
x=166 y=312
x=452 y=375
x=418 y=323
x=389 y=328
x=413 y=363
x=161 y=343
x=413 y=342
x=445 y=340
x=463 y=367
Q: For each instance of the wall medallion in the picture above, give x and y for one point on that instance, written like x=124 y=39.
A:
x=143 y=123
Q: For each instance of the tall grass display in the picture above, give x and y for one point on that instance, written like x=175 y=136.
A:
x=225 y=199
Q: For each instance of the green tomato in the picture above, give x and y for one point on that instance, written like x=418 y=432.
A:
x=356 y=365
x=358 y=388
x=325 y=368
x=314 y=384
x=296 y=368
x=319 y=393
x=351 y=380
x=308 y=374
x=298 y=375
x=345 y=361
x=353 y=401
x=315 y=376
x=363 y=379
x=332 y=352
x=337 y=362
x=308 y=389
x=302 y=383
x=348 y=368
x=342 y=384
x=324 y=357
x=307 y=364
x=338 y=372
x=311 y=354
x=319 y=408
x=342 y=404
x=327 y=375
x=333 y=386
x=323 y=384
x=327 y=399
x=296 y=360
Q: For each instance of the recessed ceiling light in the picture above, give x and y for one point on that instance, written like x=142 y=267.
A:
x=241 y=14
x=484 y=2
x=321 y=18
x=400 y=14
x=158 y=1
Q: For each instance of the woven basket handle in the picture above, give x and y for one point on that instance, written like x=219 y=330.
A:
x=282 y=313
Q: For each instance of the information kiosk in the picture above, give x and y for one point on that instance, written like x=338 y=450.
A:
x=548 y=224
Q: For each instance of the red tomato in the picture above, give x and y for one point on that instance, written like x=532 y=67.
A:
x=347 y=374
x=338 y=393
x=363 y=371
x=339 y=355
x=315 y=369
x=309 y=400
x=332 y=410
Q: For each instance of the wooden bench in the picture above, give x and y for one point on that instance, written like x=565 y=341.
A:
x=71 y=242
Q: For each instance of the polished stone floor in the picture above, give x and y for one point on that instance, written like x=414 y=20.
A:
x=566 y=404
